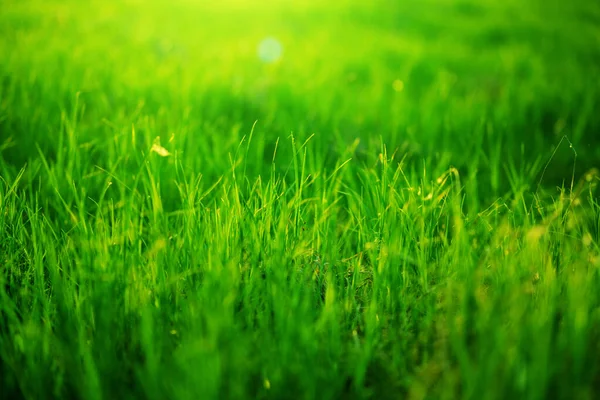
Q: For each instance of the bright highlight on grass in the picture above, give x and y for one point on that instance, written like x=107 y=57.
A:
x=398 y=85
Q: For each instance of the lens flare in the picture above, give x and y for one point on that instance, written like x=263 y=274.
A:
x=270 y=50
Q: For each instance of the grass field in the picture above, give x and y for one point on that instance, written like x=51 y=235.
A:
x=299 y=199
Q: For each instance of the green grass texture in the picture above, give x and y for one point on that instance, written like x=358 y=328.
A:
x=299 y=199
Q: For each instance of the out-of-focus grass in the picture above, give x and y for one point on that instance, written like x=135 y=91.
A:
x=477 y=78
x=373 y=215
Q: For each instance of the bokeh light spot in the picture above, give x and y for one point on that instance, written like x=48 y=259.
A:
x=398 y=85
x=270 y=50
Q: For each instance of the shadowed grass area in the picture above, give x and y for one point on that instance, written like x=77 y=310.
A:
x=403 y=205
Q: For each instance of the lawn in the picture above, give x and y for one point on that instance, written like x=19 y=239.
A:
x=299 y=199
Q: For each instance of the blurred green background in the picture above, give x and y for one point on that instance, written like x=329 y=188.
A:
x=483 y=85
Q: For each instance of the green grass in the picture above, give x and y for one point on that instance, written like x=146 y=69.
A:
x=405 y=205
